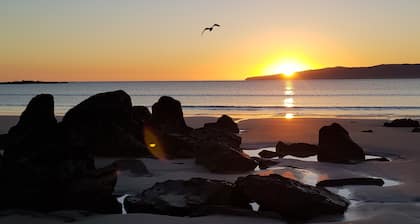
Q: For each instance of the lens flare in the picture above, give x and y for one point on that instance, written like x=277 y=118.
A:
x=153 y=143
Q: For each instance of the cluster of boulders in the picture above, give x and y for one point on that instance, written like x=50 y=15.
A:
x=50 y=165
x=215 y=146
x=273 y=193
x=335 y=145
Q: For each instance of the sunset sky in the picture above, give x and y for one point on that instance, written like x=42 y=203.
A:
x=124 y=40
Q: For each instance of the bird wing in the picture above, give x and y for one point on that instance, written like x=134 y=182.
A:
x=204 y=30
x=216 y=25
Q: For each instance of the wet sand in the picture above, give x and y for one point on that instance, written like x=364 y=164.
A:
x=397 y=201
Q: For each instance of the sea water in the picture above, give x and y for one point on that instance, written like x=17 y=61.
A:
x=352 y=98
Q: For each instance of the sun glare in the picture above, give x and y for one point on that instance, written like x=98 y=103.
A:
x=287 y=68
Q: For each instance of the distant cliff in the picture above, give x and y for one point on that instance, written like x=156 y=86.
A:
x=387 y=71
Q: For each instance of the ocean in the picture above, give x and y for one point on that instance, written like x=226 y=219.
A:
x=352 y=98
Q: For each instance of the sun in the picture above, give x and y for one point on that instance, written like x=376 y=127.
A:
x=287 y=68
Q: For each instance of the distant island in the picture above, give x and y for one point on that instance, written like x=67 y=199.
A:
x=30 y=82
x=385 y=71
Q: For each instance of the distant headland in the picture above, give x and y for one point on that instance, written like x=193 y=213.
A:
x=385 y=71
x=31 y=82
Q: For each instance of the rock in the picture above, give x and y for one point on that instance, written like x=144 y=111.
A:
x=167 y=116
x=217 y=135
x=402 y=123
x=135 y=167
x=289 y=197
x=4 y=139
x=192 y=197
x=296 y=149
x=416 y=129
x=141 y=114
x=367 y=131
x=267 y=154
x=335 y=145
x=103 y=125
x=351 y=181
x=225 y=123
x=221 y=158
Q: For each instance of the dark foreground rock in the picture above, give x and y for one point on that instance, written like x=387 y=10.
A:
x=335 y=145
x=222 y=158
x=402 y=123
x=267 y=154
x=296 y=149
x=41 y=172
x=351 y=181
x=103 y=125
x=288 y=197
x=194 y=197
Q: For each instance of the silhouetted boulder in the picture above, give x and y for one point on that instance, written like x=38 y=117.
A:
x=134 y=166
x=225 y=123
x=289 y=197
x=335 y=145
x=206 y=134
x=167 y=116
x=194 y=197
x=267 y=154
x=351 y=181
x=41 y=172
x=141 y=114
x=4 y=138
x=296 y=149
x=221 y=158
x=402 y=123
x=103 y=125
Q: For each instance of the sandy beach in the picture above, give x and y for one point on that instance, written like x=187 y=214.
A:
x=396 y=201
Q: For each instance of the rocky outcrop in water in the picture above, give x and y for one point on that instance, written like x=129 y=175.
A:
x=288 y=197
x=336 y=146
x=296 y=149
x=402 y=123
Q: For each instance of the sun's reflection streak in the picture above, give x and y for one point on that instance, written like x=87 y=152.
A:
x=289 y=101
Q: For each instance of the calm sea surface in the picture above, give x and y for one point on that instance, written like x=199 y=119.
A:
x=383 y=99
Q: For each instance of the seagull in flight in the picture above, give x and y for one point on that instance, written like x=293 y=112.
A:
x=210 y=28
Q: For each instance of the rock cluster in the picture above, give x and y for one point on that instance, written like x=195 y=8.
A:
x=273 y=193
x=402 y=123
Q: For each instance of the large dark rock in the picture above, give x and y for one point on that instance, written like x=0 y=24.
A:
x=193 y=197
x=103 y=125
x=167 y=116
x=289 y=197
x=402 y=123
x=141 y=114
x=296 y=149
x=221 y=158
x=225 y=123
x=335 y=145
x=351 y=181
x=416 y=130
x=42 y=172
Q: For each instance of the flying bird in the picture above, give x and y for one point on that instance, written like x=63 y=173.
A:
x=210 y=28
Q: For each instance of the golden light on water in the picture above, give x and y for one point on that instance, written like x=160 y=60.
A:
x=289 y=116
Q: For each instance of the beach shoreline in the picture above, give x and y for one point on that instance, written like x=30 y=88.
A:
x=369 y=203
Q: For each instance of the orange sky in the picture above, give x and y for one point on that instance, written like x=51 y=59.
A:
x=160 y=40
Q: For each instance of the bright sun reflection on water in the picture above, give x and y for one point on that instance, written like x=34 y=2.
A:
x=289 y=116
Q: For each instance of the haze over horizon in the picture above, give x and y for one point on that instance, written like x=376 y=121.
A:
x=161 y=40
